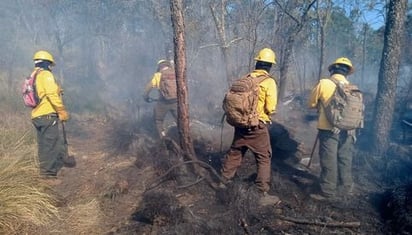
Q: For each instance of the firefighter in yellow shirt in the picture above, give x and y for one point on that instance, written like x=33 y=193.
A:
x=257 y=139
x=165 y=81
x=46 y=115
x=335 y=146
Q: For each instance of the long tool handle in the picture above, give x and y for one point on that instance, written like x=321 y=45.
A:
x=64 y=134
x=313 y=150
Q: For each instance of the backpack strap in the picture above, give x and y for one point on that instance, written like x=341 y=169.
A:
x=337 y=82
x=34 y=74
x=260 y=78
x=334 y=80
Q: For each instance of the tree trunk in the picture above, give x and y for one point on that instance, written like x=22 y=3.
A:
x=186 y=142
x=388 y=75
x=287 y=58
x=321 y=51
x=221 y=32
x=365 y=30
x=323 y=18
x=182 y=91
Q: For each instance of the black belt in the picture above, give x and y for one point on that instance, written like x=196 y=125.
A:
x=261 y=125
x=49 y=116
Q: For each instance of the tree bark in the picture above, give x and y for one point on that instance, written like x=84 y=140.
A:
x=221 y=32
x=290 y=41
x=388 y=75
x=186 y=143
x=176 y=7
x=323 y=17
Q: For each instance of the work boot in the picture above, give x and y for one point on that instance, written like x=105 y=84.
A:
x=51 y=180
x=349 y=190
x=223 y=184
x=321 y=196
x=268 y=200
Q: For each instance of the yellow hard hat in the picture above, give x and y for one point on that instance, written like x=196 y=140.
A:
x=344 y=61
x=266 y=55
x=161 y=62
x=43 y=55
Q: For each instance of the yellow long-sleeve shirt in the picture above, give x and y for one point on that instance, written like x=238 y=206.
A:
x=267 y=96
x=49 y=93
x=154 y=83
x=321 y=95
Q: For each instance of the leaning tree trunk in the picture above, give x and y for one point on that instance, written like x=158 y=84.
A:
x=388 y=75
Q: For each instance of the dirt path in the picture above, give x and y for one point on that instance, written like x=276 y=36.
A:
x=90 y=192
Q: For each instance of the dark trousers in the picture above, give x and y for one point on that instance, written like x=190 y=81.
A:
x=51 y=147
x=160 y=112
x=335 y=153
x=258 y=141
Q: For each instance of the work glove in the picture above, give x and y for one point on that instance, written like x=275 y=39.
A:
x=335 y=130
x=62 y=114
x=60 y=91
x=148 y=99
x=352 y=133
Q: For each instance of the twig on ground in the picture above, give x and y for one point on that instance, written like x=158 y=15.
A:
x=159 y=179
x=191 y=184
x=354 y=224
x=245 y=226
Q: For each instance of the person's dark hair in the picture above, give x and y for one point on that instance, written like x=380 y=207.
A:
x=263 y=65
x=339 y=69
x=44 y=64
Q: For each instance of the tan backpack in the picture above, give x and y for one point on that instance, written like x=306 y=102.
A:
x=167 y=86
x=240 y=102
x=345 y=109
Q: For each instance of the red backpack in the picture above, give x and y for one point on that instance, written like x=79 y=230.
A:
x=30 y=97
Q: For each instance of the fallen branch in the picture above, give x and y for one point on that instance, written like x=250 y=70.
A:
x=159 y=180
x=355 y=224
x=191 y=184
x=245 y=226
x=176 y=148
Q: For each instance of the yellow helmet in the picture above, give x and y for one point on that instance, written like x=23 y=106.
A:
x=344 y=61
x=43 y=55
x=266 y=55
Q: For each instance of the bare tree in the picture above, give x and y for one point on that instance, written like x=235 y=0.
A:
x=388 y=75
x=219 y=17
x=221 y=32
x=290 y=41
x=323 y=11
x=180 y=60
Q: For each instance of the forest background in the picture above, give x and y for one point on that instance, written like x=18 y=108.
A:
x=106 y=51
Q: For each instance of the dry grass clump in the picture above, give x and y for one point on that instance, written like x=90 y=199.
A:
x=26 y=201
x=85 y=218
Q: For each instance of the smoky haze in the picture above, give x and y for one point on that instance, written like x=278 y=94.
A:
x=106 y=51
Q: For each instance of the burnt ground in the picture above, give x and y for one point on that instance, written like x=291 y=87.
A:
x=128 y=182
